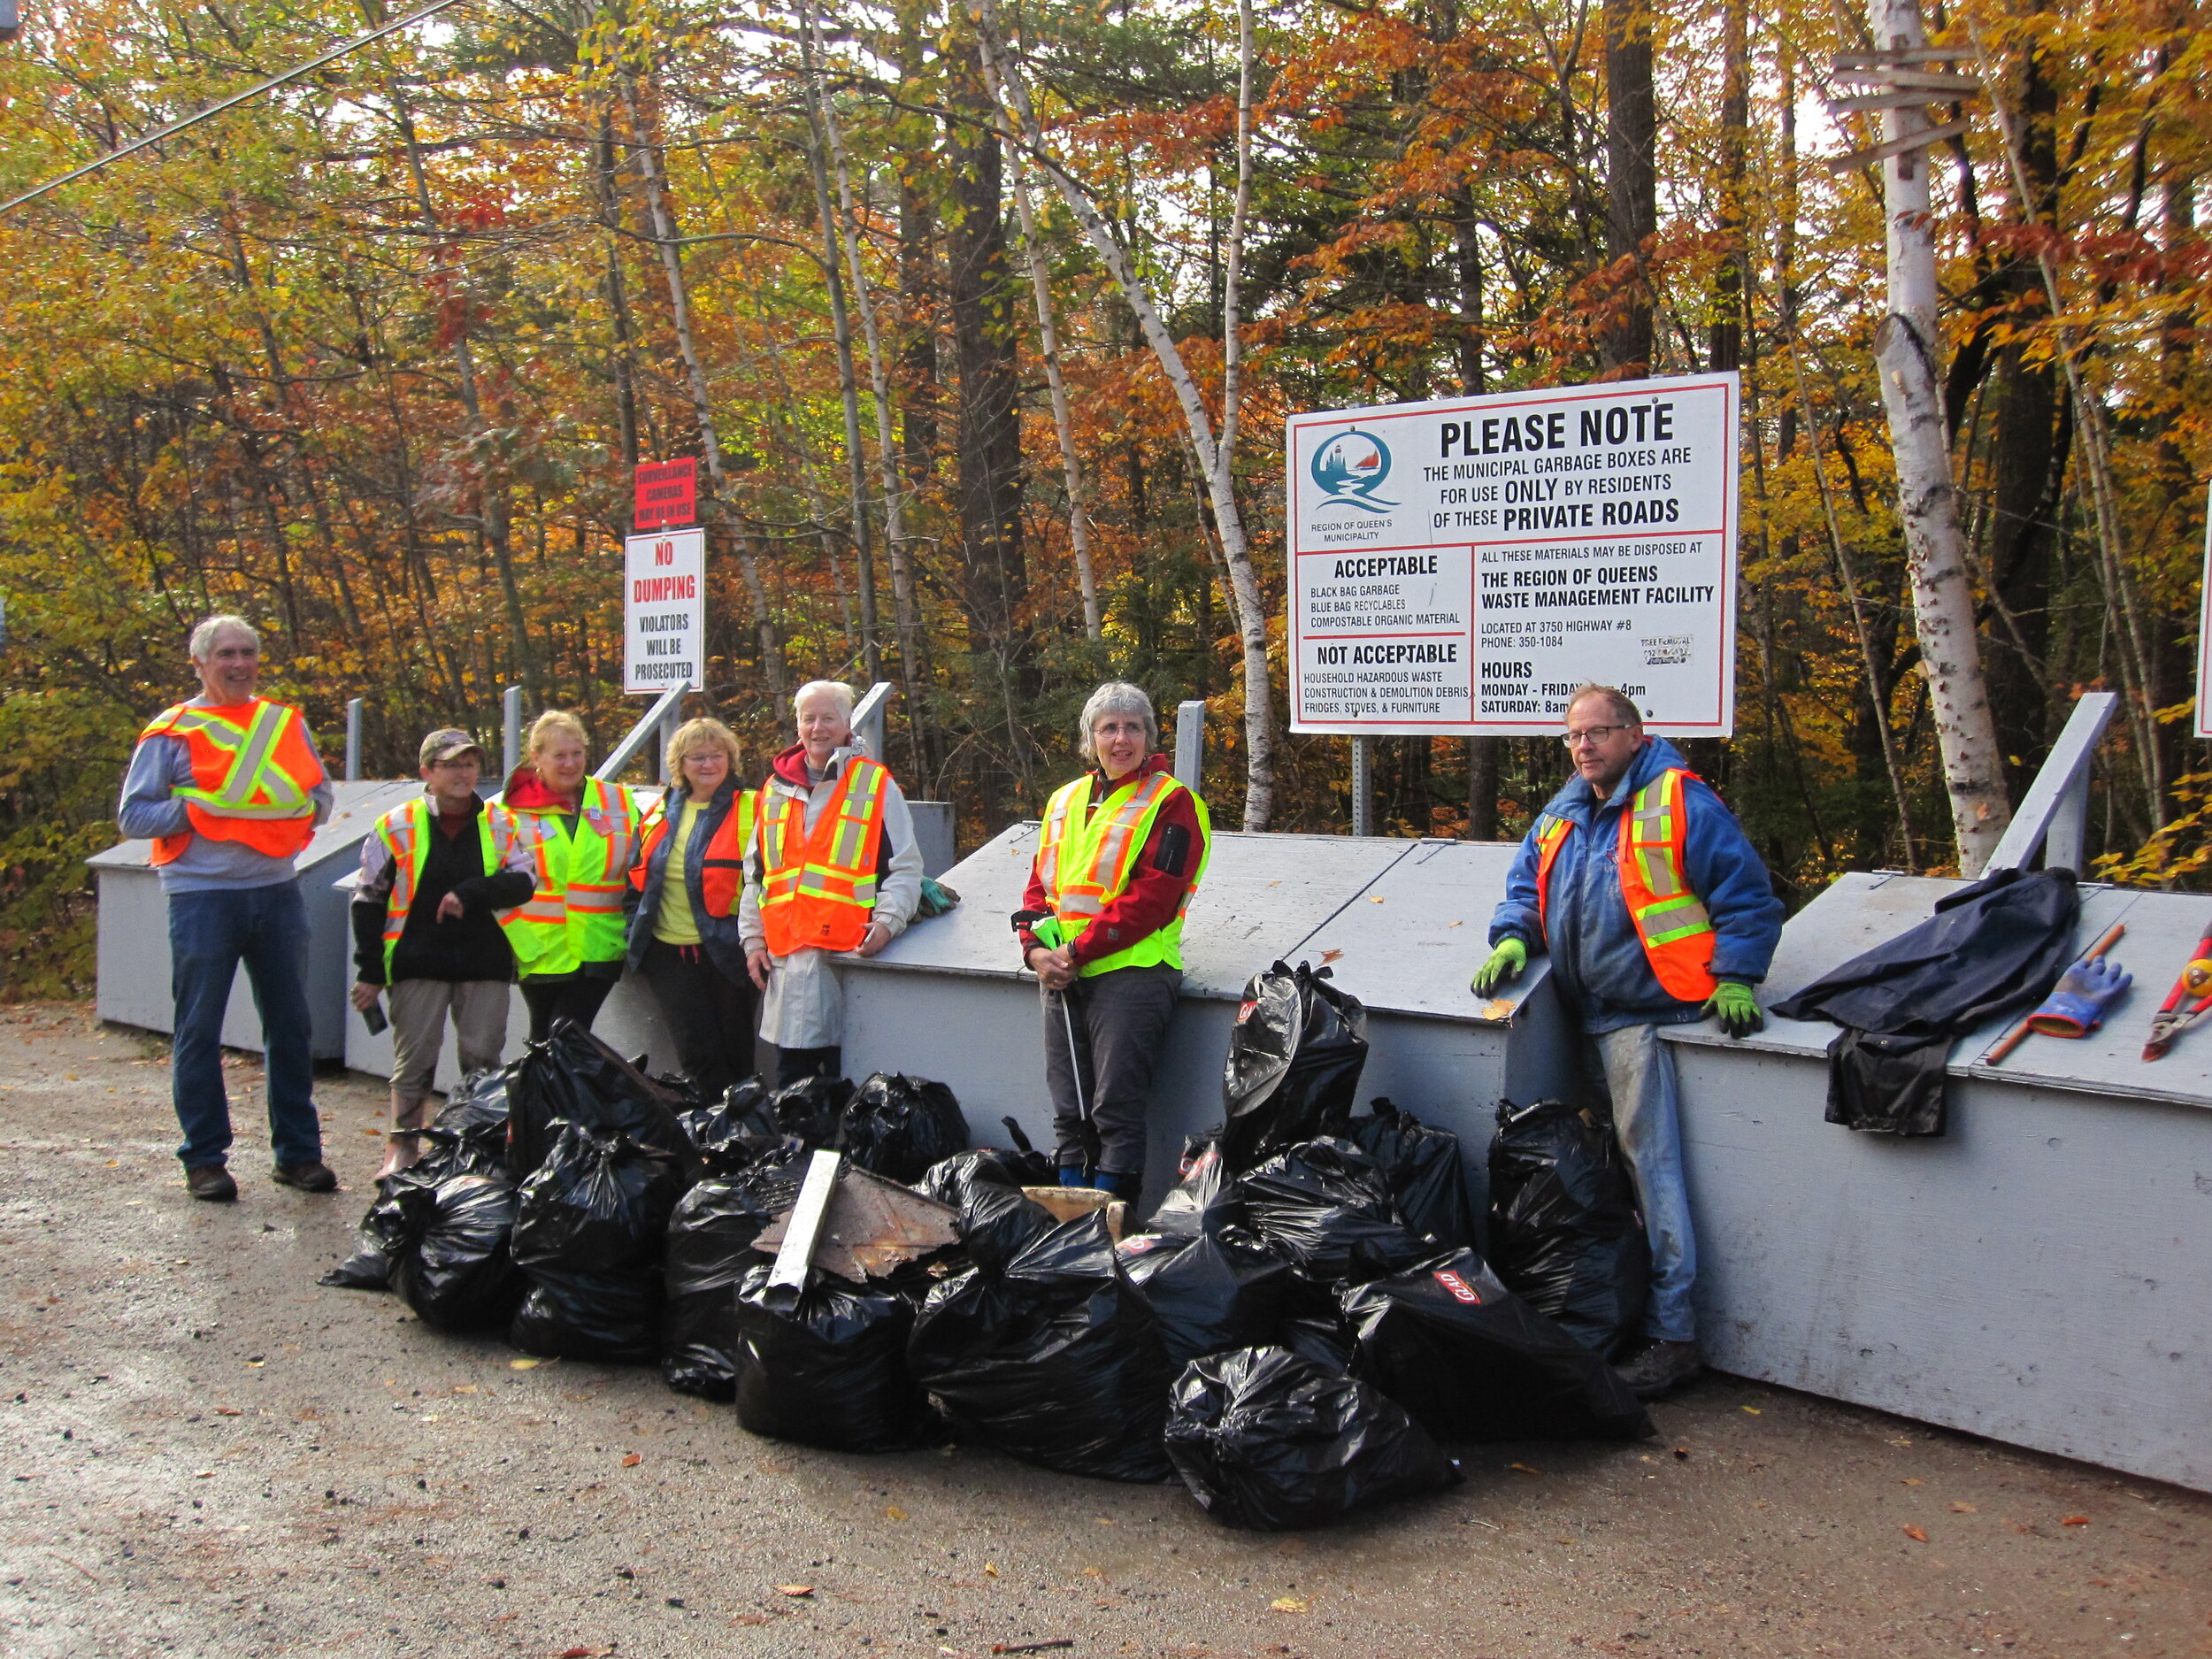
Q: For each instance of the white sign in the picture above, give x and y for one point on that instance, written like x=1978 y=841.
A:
x=1458 y=567
x=664 y=611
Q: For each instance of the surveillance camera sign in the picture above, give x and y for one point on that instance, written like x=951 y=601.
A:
x=1459 y=567
x=664 y=611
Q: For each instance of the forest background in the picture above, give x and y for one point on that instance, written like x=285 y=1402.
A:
x=371 y=358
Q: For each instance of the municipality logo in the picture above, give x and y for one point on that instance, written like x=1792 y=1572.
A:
x=1351 y=467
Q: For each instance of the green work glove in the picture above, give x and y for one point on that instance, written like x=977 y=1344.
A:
x=1737 y=1010
x=1505 y=963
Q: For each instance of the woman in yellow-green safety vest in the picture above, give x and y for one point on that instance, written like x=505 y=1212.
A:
x=1119 y=855
x=684 y=931
x=571 y=937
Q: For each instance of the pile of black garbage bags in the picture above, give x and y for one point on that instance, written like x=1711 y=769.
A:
x=1296 y=1331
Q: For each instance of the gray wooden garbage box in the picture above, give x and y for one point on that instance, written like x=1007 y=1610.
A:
x=2041 y=1274
x=133 y=945
x=1401 y=923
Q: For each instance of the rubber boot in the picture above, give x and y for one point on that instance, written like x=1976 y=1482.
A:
x=1075 y=1175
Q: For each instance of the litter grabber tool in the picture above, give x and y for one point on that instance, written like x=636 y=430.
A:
x=1047 y=932
x=2186 y=1003
x=2076 y=1004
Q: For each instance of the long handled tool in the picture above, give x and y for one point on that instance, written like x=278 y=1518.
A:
x=2194 y=987
x=2012 y=1039
x=1048 y=935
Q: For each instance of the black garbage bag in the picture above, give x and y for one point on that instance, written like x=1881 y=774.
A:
x=388 y=1229
x=1057 y=1360
x=1992 y=949
x=573 y=1078
x=827 y=1367
x=1294 y=1060
x=811 y=1109
x=461 y=1275
x=1471 y=1361
x=997 y=1222
x=1215 y=1292
x=1033 y=1168
x=1266 y=1439
x=1323 y=1207
x=1422 y=1165
x=898 y=1125
x=589 y=1237
x=709 y=1248
x=1203 y=1199
x=734 y=1131
x=1565 y=1234
x=1320 y=1338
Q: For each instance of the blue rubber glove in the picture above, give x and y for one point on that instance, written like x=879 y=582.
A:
x=2075 y=1005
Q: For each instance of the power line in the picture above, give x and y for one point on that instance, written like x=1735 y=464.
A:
x=231 y=103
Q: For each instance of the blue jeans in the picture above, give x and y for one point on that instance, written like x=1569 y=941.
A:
x=1635 y=1070
x=211 y=933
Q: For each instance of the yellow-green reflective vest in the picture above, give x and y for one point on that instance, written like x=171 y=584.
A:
x=1085 y=859
x=575 y=915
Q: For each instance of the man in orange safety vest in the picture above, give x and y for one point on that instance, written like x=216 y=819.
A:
x=229 y=790
x=1656 y=910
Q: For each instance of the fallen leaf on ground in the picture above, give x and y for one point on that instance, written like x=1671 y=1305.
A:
x=464 y=1388
x=989 y=1571
x=893 y=1513
x=2075 y=1520
x=585 y=1653
x=795 y=1589
x=1524 y=1469
x=1754 y=1411
x=1683 y=1452
x=1915 y=1534
x=1912 y=1480
x=1963 y=1508
x=228 y=1411
x=634 y=1459
x=197 y=1474
x=523 y=1364
x=1290 y=1604
x=1094 y=1572
x=1377 y=899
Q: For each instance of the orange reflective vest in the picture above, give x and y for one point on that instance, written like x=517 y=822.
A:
x=253 y=773
x=1671 y=921
x=819 y=890
x=1085 y=859
x=405 y=833
x=722 y=870
x=575 y=915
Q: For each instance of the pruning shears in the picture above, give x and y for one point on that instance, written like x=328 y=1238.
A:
x=2194 y=988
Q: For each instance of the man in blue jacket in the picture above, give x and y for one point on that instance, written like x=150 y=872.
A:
x=1657 y=912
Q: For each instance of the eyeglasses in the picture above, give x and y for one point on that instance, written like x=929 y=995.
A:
x=1591 y=734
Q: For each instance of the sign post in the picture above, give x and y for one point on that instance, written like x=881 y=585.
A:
x=2204 y=633
x=1459 y=567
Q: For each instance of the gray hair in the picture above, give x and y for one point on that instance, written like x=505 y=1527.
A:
x=1117 y=696
x=204 y=636
x=836 y=689
x=1623 y=711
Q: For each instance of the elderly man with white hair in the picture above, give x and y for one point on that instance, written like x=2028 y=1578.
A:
x=834 y=868
x=229 y=790
x=1121 y=851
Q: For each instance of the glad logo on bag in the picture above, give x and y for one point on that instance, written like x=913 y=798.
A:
x=1460 y=1289
x=1244 y=1012
x=1137 y=1245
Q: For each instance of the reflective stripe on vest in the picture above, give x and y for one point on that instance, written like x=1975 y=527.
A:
x=817 y=889
x=1084 y=860
x=722 y=868
x=575 y=916
x=1671 y=923
x=251 y=782
x=405 y=833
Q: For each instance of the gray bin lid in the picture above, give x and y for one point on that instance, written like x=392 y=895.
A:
x=354 y=809
x=1859 y=911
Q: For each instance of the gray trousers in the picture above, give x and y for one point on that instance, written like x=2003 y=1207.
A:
x=419 y=1007
x=1119 y=1021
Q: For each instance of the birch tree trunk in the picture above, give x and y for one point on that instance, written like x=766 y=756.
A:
x=1905 y=351
x=1215 y=451
x=702 y=404
x=1063 y=424
x=842 y=330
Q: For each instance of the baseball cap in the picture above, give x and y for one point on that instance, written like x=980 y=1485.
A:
x=447 y=743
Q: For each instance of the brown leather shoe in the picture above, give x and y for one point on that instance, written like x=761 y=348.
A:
x=211 y=1184
x=313 y=1176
